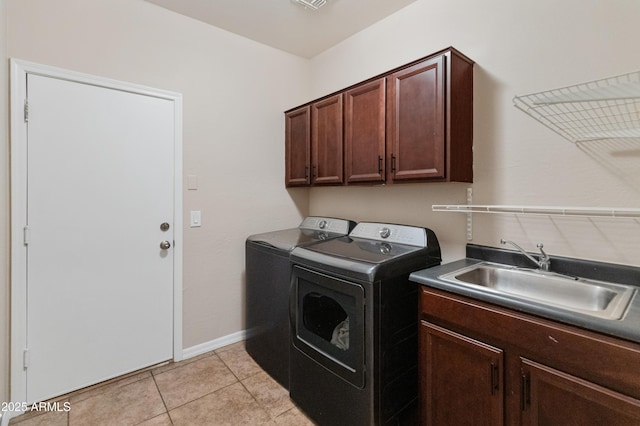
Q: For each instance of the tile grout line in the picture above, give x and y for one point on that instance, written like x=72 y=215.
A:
x=153 y=376
x=201 y=396
x=179 y=365
x=198 y=398
x=262 y=407
x=234 y=374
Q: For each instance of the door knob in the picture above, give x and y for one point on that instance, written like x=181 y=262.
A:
x=165 y=245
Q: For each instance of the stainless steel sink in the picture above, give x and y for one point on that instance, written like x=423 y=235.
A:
x=596 y=298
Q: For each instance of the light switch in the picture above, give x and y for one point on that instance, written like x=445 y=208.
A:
x=196 y=218
x=192 y=182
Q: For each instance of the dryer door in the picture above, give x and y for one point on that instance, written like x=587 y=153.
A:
x=328 y=322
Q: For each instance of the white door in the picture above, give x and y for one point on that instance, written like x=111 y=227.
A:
x=100 y=182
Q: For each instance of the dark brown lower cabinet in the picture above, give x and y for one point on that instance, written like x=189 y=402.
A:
x=457 y=365
x=481 y=364
x=554 y=398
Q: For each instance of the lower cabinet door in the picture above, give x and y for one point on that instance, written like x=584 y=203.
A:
x=553 y=398
x=461 y=379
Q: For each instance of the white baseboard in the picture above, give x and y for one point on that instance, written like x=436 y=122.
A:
x=213 y=344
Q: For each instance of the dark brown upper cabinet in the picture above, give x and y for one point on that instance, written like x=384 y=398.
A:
x=415 y=126
x=430 y=120
x=411 y=124
x=298 y=147
x=326 y=141
x=364 y=132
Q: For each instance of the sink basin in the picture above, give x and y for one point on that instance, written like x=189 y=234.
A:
x=591 y=297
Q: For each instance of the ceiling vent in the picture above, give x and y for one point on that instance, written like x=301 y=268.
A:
x=311 y=4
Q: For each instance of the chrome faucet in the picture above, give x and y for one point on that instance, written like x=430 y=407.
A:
x=543 y=262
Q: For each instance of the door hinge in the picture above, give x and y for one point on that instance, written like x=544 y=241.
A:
x=26 y=110
x=27 y=235
x=25 y=359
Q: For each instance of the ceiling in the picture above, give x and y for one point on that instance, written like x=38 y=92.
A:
x=286 y=25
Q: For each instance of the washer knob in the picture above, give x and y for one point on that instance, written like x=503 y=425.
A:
x=322 y=224
x=385 y=232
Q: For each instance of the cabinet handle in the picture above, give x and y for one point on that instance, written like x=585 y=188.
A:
x=313 y=172
x=495 y=378
x=393 y=163
x=306 y=172
x=379 y=164
x=525 y=391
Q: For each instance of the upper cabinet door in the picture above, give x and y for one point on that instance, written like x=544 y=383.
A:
x=326 y=141
x=298 y=147
x=364 y=132
x=416 y=121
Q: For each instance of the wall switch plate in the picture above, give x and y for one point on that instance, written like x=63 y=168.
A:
x=192 y=182
x=196 y=218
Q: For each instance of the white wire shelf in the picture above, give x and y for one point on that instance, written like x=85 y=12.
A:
x=602 y=212
x=598 y=110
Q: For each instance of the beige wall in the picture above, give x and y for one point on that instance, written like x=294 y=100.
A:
x=235 y=91
x=520 y=47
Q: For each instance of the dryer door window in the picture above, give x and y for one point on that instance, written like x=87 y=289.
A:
x=329 y=323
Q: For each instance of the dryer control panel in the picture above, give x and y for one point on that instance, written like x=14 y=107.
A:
x=392 y=233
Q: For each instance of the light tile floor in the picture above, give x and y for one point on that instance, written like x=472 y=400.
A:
x=222 y=387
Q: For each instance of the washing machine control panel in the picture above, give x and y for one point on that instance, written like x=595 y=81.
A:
x=327 y=224
x=391 y=233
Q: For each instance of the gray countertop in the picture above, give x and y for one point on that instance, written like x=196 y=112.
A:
x=627 y=328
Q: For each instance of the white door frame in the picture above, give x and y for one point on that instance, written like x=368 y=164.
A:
x=19 y=71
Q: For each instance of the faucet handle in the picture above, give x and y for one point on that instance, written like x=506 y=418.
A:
x=544 y=258
x=540 y=246
x=543 y=262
